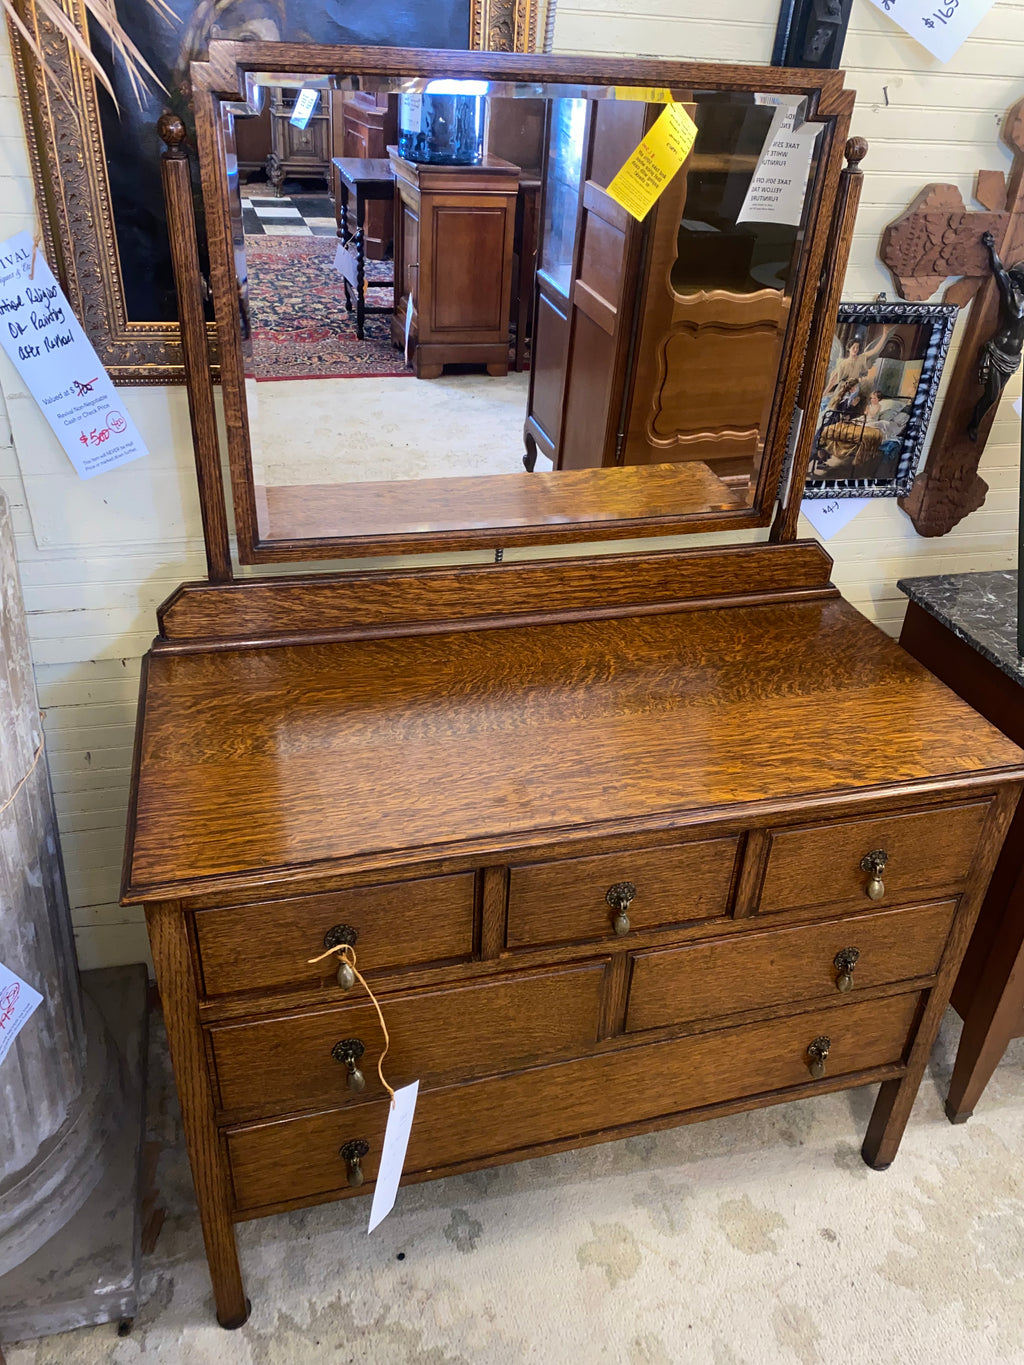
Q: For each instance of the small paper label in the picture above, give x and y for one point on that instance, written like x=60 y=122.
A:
x=18 y=1002
x=408 y=324
x=302 y=110
x=829 y=515
x=410 y=113
x=654 y=163
x=1018 y=407
x=57 y=361
x=777 y=187
x=392 y=1156
x=942 y=28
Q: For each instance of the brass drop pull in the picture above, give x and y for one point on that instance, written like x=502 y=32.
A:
x=874 y=864
x=343 y=933
x=817 y=1055
x=620 y=897
x=352 y=1154
x=348 y=1052
x=844 y=962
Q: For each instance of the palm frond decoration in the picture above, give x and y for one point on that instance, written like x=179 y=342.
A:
x=27 y=17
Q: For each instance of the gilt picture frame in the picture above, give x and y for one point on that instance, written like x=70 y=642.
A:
x=101 y=210
x=883 y=376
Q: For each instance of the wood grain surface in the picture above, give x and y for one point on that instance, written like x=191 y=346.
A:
x=353 y=755
x=281 y=1063
x=520 y=504
x=400 y=924
x=441 y=598
x=675 y=985
x=287 y=1160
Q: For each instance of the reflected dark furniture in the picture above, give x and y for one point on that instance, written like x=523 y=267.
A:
x=302 y=153
x=454 y=234
x=962 y=627
x=360 y=183
x=364 y=125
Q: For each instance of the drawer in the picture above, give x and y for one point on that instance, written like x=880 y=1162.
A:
x=818 y=864
x=285 y=1062
x=782 y=966
x=562 y=901
x=399 y=924
x=275 y=1162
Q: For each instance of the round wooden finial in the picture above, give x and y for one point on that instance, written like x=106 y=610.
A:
x=172 y=132
x=856 y=151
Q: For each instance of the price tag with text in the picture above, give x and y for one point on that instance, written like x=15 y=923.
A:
x=655 y=162
x=18 y=1002
x=59 y=364
x=941 y=26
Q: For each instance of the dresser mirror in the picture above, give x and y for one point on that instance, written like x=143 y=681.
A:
x=439 y=331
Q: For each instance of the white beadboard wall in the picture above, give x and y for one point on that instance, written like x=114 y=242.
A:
x=96 y=558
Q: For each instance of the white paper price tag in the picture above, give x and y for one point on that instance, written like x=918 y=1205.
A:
x=18 y=1002
x=57 y=361
x=829 y=515
x=392 y=1157
x=942 y=26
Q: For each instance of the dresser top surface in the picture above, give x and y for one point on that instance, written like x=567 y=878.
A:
x=354 y=755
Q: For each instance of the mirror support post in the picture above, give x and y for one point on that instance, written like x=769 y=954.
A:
x=812 y=382
x=177 y=184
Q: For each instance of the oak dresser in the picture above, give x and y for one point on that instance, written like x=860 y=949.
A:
x=620 y=843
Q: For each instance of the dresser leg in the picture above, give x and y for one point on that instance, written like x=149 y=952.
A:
x=172 y=959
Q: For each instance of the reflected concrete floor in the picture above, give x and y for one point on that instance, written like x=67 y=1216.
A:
x=310 y=431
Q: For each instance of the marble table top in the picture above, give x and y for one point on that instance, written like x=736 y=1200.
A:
x=979 y=608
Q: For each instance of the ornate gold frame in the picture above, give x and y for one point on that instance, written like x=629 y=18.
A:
x=73 y=191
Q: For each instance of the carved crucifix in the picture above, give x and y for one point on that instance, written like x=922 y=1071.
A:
x=938 y=237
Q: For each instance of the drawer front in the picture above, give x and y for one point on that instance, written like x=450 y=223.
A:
x=783 y=966
x=567 y=900
x=298 y=1158
x=399 y=924
x=283 y=1063
x=819 y=864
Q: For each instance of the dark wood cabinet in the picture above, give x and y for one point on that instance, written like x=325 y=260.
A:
x=302 y=153
x=364 y=125
x=454 y=235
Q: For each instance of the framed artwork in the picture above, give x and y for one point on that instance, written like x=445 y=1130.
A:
x=97 y=175
x=883 y=375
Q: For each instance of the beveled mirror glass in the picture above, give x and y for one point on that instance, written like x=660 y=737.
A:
x=438 y=329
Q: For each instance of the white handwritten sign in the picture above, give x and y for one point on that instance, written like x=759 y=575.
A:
x=942 y=26
x=829 y=515
x=776 y=190
x=18 y=1002
x=303 y=108
x=57 y=361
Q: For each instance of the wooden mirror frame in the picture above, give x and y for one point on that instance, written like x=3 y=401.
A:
x=222 y=79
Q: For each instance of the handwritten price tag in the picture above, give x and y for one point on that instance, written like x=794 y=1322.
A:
x=655 y=162
x=57 y=361
x=941 y=27
x=18 y=1002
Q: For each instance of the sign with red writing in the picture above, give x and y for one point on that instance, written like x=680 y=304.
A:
x=59 y=365
x=18 y=1002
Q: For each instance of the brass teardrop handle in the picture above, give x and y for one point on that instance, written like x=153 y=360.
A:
x=817 y=1055
x=352 y=1154
x=874 y=864
x=348 y=1052
x=844 y=962
x=620 y=897
x=343 y=933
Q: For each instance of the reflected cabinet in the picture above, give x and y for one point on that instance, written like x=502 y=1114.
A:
x=618 y=841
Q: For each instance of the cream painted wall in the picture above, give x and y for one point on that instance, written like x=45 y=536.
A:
x=96 y=558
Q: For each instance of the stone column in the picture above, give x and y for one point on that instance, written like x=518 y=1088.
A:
x=58 y=1090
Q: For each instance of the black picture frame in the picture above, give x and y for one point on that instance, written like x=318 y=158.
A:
x=883 y=377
